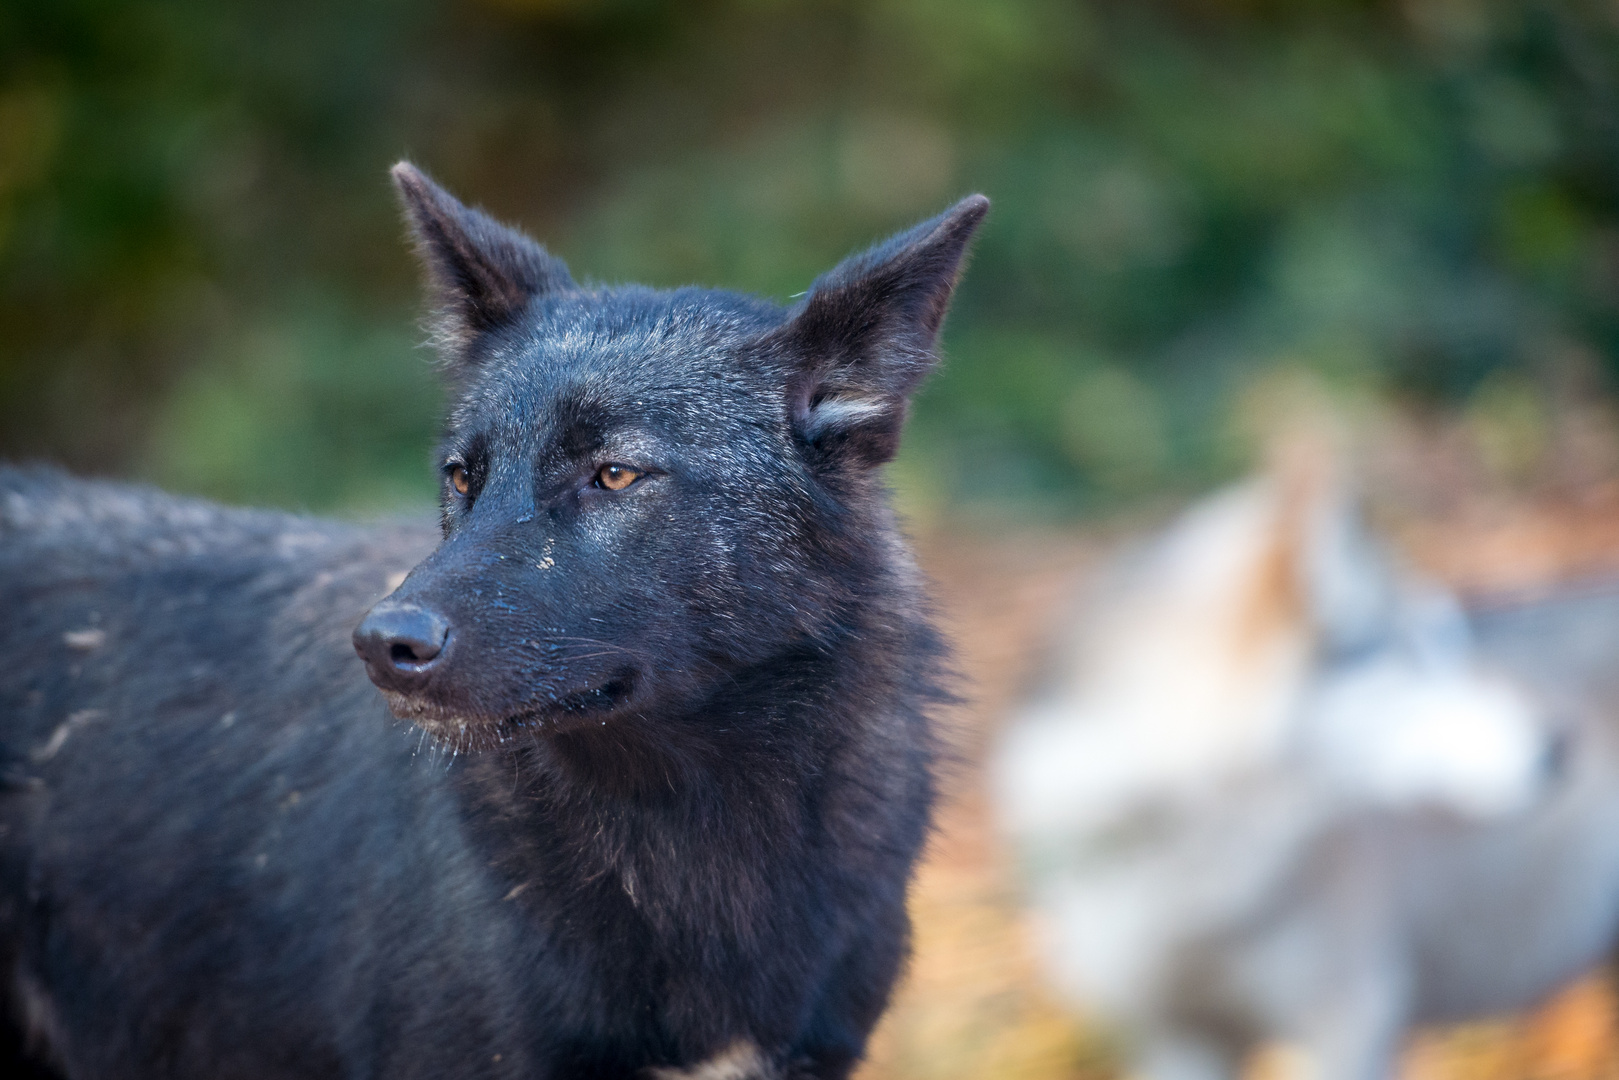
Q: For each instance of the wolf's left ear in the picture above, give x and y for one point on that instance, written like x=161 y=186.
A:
x=481 y=274
x=863 y=340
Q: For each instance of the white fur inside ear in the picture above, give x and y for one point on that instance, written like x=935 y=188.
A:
x=830 y=414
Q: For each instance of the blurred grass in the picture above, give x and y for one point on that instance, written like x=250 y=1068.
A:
x=202 y=280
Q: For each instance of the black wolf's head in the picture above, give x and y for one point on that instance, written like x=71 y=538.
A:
x=646 y=492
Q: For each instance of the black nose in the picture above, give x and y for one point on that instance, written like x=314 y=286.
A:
x=400 y=643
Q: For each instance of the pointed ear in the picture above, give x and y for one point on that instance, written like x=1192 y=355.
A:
x=480 y=273
x=863 y=340
x=1344 y=576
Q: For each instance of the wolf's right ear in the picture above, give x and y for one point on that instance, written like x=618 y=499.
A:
x=480 y=273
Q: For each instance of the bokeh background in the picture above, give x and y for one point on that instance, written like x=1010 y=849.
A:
x=1411 y=208
x=202 y=280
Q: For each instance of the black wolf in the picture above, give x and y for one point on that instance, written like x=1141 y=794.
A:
x=670 y=649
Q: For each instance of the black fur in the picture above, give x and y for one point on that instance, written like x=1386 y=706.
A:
x=679 y=761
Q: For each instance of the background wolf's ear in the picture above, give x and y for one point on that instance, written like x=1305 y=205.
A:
x=480 y=273
x=863 y=339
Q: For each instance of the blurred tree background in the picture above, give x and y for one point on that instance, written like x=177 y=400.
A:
x=202 y=279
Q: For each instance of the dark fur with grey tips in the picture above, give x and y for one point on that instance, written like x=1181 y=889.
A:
x=699 y=705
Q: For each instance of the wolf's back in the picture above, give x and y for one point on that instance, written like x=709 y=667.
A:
x=105 y=583
x=1563 y=641
x=55 y=526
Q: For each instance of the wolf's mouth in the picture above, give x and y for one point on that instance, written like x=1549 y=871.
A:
x=568 y=710
x=603 y=698
x=560 y=712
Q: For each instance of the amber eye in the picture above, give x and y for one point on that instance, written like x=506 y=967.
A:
x=617 y=477
x=459 y=480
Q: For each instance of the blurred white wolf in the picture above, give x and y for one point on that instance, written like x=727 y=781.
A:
x=1282 y=789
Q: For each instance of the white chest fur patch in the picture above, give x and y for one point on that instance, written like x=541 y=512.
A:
x=739 y=1061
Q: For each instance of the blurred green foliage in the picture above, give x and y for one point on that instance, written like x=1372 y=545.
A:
x=202 y=279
